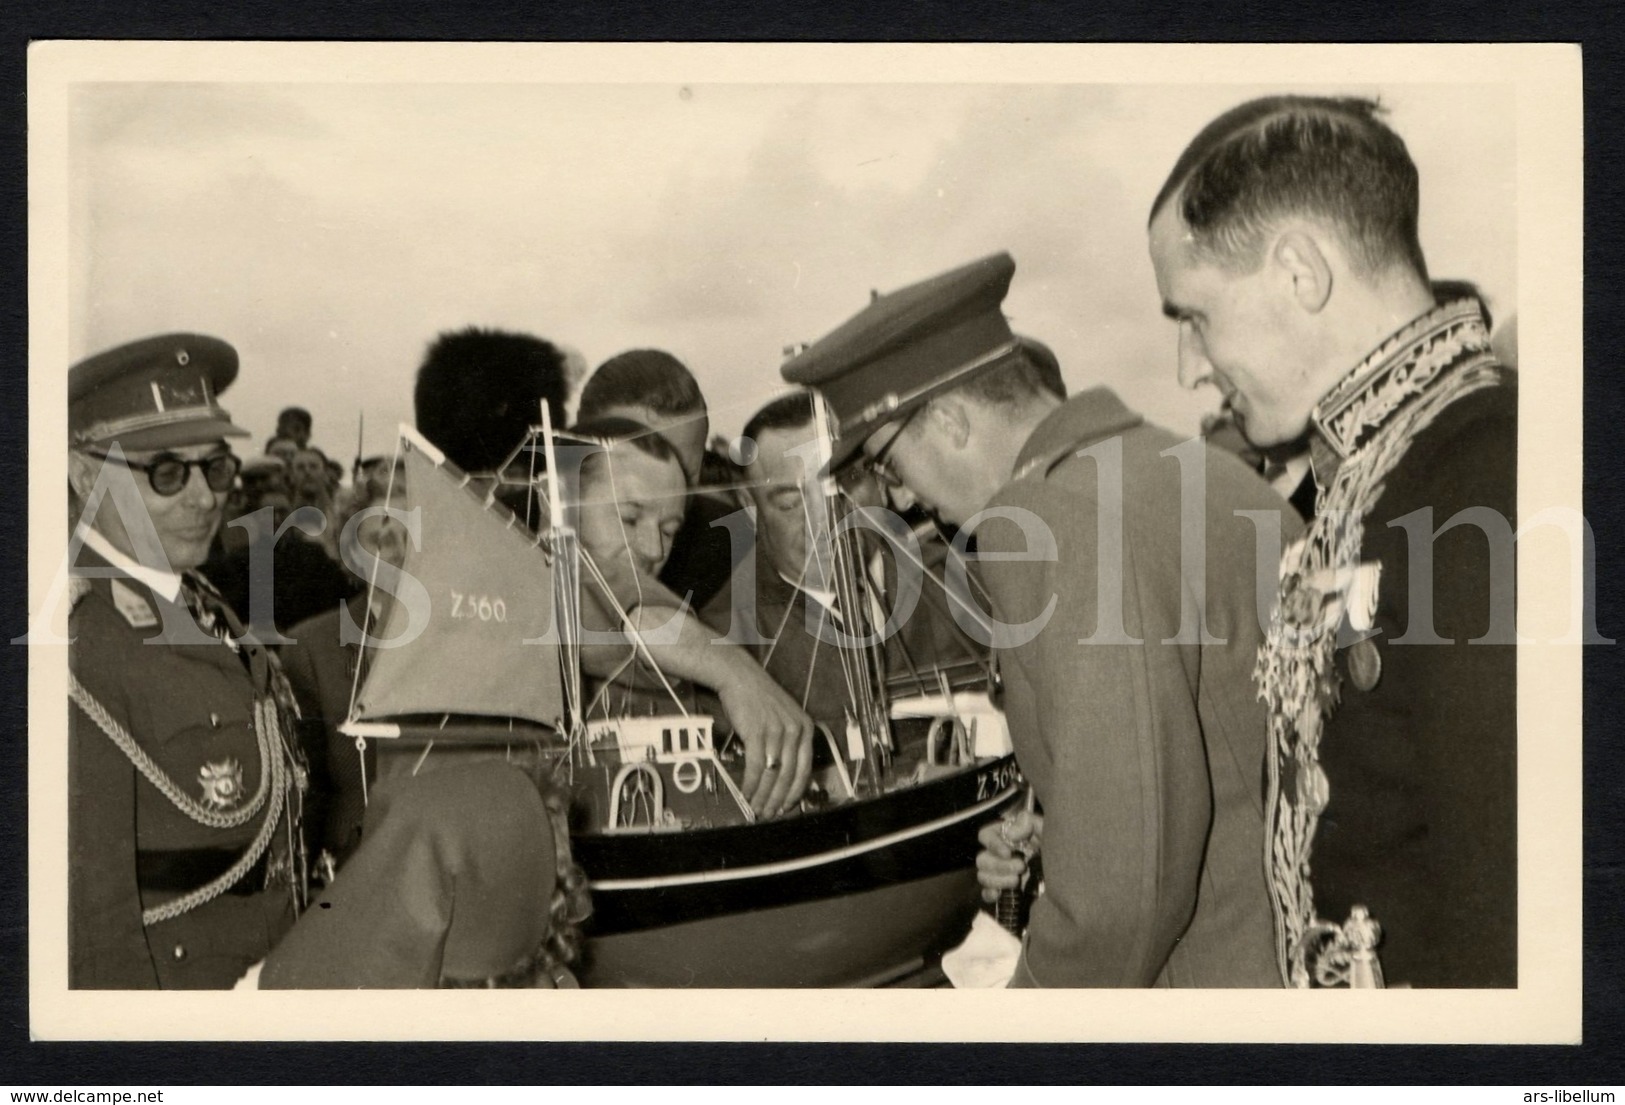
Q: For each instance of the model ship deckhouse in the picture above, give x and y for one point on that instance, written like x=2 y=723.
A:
x=478 y=653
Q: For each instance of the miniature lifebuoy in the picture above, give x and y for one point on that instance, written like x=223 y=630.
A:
x=688 y=781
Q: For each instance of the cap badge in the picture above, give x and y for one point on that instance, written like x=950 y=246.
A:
x=884 y=405
x=182 y=357
x=222 y=784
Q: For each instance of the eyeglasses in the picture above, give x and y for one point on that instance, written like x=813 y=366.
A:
x=169 y=474
x=879 y=465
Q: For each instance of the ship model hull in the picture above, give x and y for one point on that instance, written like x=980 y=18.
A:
x=850 y=895
x=855 y=894
x=860 y=938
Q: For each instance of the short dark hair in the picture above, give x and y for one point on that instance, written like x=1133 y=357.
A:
x=647 y=378
x=1012 y=382
x=1045 y=363
x=298 y=414
x=1448 y=291
x=787 y=412
x=718 y=472
x=479 y=391
x=1325 y=157
x=622 y=431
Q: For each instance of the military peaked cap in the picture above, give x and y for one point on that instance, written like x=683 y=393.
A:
x=906 y=346
x=157 y=393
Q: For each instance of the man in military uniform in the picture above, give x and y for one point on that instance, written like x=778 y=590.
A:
x=1286 y=248
x=185 y=866
x=1125 y=660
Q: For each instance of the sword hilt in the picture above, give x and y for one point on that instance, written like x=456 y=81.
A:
x=1013 y=904
x=1011 y=910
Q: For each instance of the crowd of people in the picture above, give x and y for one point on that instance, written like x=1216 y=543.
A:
x=1234 y=785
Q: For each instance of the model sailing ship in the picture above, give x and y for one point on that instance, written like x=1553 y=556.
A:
x=869 y=875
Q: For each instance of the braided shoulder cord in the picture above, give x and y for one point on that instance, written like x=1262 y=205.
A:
x=155 y=774
x=273 y=781
x=265 y=718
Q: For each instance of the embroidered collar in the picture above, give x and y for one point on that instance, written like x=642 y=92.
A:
x=1394 y=374
x=167 y=585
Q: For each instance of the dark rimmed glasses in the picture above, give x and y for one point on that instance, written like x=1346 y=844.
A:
x=168 y=474
x=879 y=465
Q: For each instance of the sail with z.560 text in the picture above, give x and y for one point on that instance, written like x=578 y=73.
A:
x=488 y=585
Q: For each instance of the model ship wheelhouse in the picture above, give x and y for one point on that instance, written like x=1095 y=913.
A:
x=871 y=874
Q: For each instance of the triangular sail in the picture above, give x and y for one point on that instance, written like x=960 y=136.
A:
x=490 y=589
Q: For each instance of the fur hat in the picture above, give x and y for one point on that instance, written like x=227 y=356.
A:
x=479 y=391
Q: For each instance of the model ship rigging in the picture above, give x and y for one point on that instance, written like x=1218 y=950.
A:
x=871 y=872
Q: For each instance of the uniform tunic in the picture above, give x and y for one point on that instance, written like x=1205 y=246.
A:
x=453 y=879
x=1147 y=757
x=190 y=707
x=1395 y=757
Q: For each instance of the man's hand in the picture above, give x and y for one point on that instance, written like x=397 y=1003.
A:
x=777 y=733
x=1007 y=844
x=778 y=738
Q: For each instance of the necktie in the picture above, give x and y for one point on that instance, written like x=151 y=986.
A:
x=208 y=608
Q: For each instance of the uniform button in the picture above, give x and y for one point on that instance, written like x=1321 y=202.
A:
x=180 y=951
x=214 y=721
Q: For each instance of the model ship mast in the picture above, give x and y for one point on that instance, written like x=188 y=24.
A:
x=565 y=546
x=836 y=544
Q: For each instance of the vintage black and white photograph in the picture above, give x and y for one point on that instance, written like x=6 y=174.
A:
x=888 y=520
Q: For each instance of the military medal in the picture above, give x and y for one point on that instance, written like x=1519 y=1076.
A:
x=1313 y=789
x=1365 y=664
x=222 y=784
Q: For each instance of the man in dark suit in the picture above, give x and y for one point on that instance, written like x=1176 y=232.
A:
x=1286 y=248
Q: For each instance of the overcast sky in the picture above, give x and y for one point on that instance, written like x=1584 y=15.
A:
x=330 y=231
